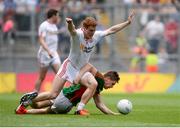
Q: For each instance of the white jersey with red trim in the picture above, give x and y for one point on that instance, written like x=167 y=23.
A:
x=50 y=39
x=67 y=71
x=82 y=49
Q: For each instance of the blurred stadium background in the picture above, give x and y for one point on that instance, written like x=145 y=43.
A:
x=128 y=51
x=146 y=54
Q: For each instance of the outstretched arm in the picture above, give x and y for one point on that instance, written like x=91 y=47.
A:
x=45 y=110
x=71 y=26
x=101 y=106
x=119 y=27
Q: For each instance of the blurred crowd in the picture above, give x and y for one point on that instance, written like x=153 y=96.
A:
x=72 y=8
x=157 y=40
x=16 y=15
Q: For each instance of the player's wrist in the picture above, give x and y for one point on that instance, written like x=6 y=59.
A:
x=48 y=52
x=128 y=21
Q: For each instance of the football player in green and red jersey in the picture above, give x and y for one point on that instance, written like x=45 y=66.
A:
x=71 y=96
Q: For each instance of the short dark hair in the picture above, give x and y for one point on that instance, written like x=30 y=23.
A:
x=113 y=75
x=51 y=12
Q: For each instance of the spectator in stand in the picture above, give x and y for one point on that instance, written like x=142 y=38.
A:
x=154 y=32
x=171 y=35
x=139 y=54
x=41 y=9
x=165 y=1
x=176 y=3
x=152 y=62
x=8 y=29
x=55 y=4
x=1 y=6
x=9 y=6
x=76 y=8
x=153 y=1
x=1 y=20
x=163 y=60
x=31 y=5
x=128 y=5
x=1 y=11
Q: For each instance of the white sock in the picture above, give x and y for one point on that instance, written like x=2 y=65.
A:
x=80 y=106
x=27 y=103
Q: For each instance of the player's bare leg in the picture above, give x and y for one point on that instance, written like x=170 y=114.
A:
x=42 y=74
x=55 y=68
x=42 y=104
x=57 y=86
x=47 y=95
x=42 y=107
x=39 y=111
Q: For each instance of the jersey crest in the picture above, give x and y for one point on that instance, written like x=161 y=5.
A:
x=86 y=49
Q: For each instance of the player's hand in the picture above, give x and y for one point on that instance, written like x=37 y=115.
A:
x=131 y=16
x=68 y=20
x=116 y=114
x=50 y=54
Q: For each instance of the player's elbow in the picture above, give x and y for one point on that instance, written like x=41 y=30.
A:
x=98 y=105
x=111 y=32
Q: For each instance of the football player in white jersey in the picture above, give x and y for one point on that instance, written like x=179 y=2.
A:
x=47 y=54
x=83 y=41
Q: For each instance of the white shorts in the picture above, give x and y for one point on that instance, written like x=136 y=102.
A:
x=61 y=104
x=67 y=71
x=45 y=60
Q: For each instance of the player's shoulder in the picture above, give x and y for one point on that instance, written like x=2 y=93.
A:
x=79 y=32
x=99 y=31
x=43 y=24
x=99 y=34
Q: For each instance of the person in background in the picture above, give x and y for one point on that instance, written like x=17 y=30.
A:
x=151 y=62
x=8 y=29
x=48 y=40
x=154 y=31
x=171 y=35
x=163 y=59
x=140 y=50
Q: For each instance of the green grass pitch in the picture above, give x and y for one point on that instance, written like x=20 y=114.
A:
x=148 y=110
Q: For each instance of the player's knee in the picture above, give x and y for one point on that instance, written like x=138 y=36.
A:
x=95 y=84
x=92 y=85
x=53 y=95
x=34 y=105
x=41 y=78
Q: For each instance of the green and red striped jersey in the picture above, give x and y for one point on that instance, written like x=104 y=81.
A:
x=75 y=91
